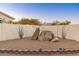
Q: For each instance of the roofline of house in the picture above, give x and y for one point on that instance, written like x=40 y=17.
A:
x=7 y=15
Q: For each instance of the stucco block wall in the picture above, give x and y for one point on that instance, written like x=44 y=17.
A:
x=10 y=31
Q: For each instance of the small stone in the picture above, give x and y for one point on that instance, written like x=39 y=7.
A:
x=55 y=39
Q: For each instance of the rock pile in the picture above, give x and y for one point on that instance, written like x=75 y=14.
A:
x=44 y=36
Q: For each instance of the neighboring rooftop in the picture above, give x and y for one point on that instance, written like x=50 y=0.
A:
x=6 y=15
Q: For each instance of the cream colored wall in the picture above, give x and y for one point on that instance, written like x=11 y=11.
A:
x=10 y=31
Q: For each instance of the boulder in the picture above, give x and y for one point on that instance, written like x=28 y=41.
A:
x=36 y=34
x=46 y=35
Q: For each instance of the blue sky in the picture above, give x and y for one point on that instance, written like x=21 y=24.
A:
x=43 y=11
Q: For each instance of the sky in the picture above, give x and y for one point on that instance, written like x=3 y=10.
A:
x=45 y=12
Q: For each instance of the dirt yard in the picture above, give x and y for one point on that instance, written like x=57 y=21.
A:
x=36 y=44
x=27 y=43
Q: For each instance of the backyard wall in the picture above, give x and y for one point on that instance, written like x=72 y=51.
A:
x=10 y=31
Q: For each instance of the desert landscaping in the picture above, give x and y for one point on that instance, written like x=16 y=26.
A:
x=39 y=29
x=41 y=39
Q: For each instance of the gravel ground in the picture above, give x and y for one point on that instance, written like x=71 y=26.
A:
x=27 y=43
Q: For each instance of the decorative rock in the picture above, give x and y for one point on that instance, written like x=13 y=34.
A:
x=36 y=34
x=46 y=35
x=55 y=39
x=61 y=49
